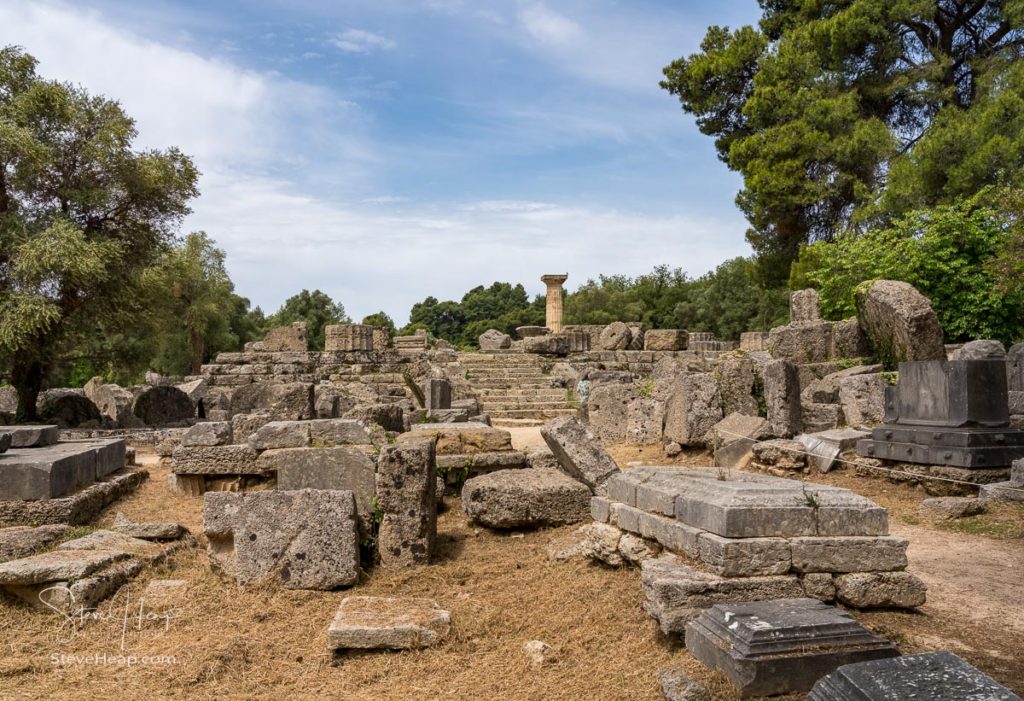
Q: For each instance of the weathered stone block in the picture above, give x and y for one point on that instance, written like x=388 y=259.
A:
x=693 y=407
x=900 y=322
x=285 y=401
x=880 y=590
x=163 y=406
x=373 y=622
x=734 y=436
x=306 y=538
x=579 y=452
x=806 y=342
x=616 y=336
x=675 y=593
x=862 y=398
x=463 y=438
x=665 y=340
x=293 y=337
x=215 y=460
x=493 y=339
x=781 y=380
x=736 y=386
x=22 y=541
x=849 y=554
x=744 y=557
x=406 y=483
x=820 y=417
x=36 y=436
x=950 y=508
x=804 y=306
x=518 y=498
x=208 y=433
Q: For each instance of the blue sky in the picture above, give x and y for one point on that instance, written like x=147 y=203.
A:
x=390 y=149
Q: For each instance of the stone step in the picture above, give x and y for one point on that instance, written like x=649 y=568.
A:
x=510 y=384
x=531 y=413
x=524 y=405
x=500 y=395
x=505 y=372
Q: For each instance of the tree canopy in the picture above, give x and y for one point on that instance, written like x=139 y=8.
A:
x=316 y=308
x=841 y=116
x=82 y=214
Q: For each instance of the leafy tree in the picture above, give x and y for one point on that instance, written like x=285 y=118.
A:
x=82 y=214
x=839 y=115
x=316 y=308
x=193 y=291
x=380 y=319
x=951 y=253
x=731 y=300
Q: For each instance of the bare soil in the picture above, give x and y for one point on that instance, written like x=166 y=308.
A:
x=270 y=643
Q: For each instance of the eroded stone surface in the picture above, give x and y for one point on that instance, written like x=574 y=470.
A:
x=406 y=484
x=579 y=452
x=373 y=622
x=518 y=498
x=306 y=538
x=21 y=541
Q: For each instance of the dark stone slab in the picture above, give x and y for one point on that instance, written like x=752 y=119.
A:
x=953 y=393
x=33 y=436
x=77 y=509
x=781 y=646
x=932 y=676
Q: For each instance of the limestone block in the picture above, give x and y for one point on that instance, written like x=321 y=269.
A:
x=462 y=438
x=781 y=380
x=950 y=508
x=342 y=468
x=294 y=337
x=34 y=436
x=163 y=405
x=56 y=566
x=406 y=484
x=735 y=378
x=693 y=407
x=608 y=410
x=849 y=340
x=147 y=531
x=900 y=322
x=817 y=417
x=744 y=557
x=21 y=541
x=675 y=593
x=1015 y=368
x=112 y=541
x=880 y=590
x=804 y=306
x=493 y=339
x=579 y=452
x=849 y=554
x=305 y=538
x=68 y=409
x=550 y=344
x=373 y=622
x=980 y=350
x=665 y=340
x=779 y=456
x=616 y=336
x=819 y=585
x=862 y=398
x=734 y=436
x=600 y=509
x=807 y=342
x=518 y=498
x=214 y=460
x=285 y=401
x=208 y=433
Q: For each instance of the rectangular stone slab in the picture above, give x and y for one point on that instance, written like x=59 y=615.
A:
x=374 y=622
x=781 y=646
x=56 y=470
x=747 y=505
x=935 y=676
x=953 y=393
x=56 y=566
x=33 y=436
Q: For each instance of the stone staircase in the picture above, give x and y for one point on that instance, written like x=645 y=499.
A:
x=513 y=387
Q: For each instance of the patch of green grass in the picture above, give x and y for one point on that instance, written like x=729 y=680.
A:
x=985 y=525
x=912 y=520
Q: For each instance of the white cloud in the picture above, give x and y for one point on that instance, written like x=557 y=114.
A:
x=360 y=41
x=271 y=161
x=546 y=25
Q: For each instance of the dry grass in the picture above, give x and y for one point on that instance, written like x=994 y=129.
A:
x=269 y=643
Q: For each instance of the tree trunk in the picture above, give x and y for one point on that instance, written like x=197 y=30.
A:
x=27 y=378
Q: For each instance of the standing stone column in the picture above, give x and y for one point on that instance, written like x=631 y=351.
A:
x=406 y=484
x=554 y=300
